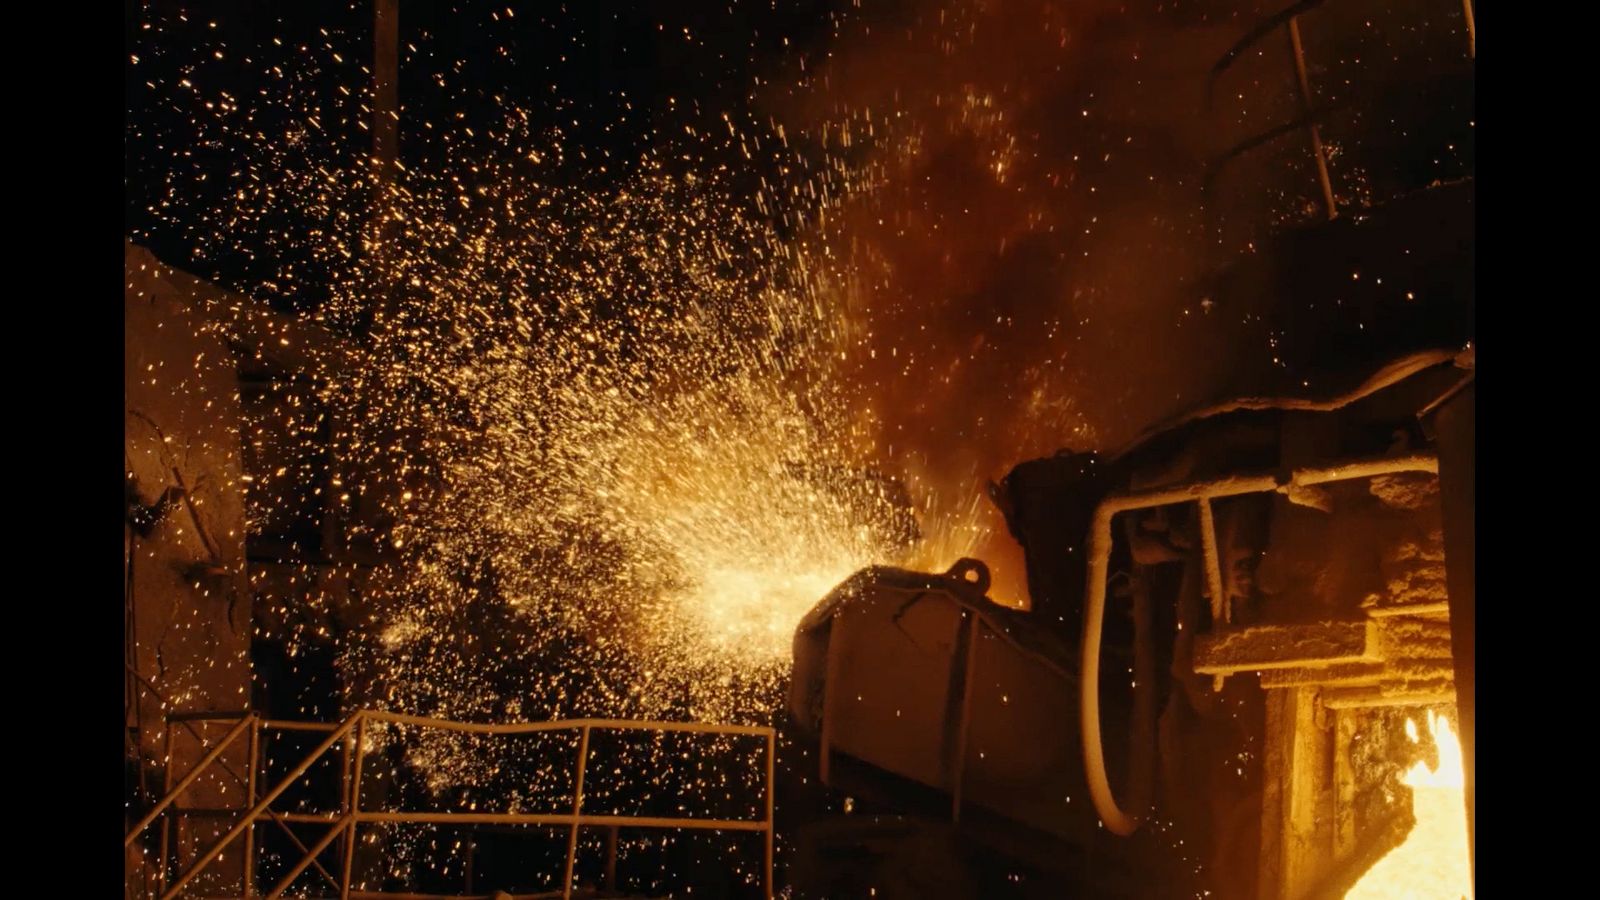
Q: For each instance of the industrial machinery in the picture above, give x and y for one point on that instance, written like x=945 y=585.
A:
x=1237 y=621
x=1226 y=618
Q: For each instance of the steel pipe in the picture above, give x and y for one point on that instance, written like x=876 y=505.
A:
x=1117 y=820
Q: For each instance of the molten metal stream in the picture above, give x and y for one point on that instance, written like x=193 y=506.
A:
x=1433 y=861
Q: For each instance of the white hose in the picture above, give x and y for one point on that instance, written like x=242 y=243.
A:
x=1094 y=607
x=1094 y=760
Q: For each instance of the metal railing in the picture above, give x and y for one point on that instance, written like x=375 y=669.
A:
x=1311 y=115
x=351 y=735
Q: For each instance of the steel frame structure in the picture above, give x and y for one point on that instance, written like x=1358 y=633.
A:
x=350 y=736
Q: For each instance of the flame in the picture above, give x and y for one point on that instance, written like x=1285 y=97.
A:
x=1433 y=861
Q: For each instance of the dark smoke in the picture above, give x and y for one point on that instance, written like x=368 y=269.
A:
x=1033 y=240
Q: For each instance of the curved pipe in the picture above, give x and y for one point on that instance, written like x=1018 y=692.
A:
x=1117 y=821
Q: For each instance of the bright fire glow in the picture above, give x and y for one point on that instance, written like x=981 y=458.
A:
x=1433 y=862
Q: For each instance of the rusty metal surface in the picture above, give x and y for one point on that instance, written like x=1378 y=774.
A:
x=1388 y=660
x=1260 y=647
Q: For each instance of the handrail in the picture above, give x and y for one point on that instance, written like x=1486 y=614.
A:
x=183 y=784
x=188 y=719
x=342 y=826
x=1252 y=37
x=509 y=727
x=347 y=822
x=567 y=725
x=249 y=818
x=1288 y=19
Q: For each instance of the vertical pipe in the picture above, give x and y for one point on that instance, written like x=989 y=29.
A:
x=577 y=810
x=1112 y=816
x=1344 y=782
x=1306 y=838
x=355 y=807
x=1472 y=29
x=250 y=801
x=772 y=755
x=1305 y=104
x=1213 y=560
x=346 y=755
x=1142 y=731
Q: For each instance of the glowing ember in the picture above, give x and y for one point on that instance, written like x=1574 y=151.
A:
x=1433 y=863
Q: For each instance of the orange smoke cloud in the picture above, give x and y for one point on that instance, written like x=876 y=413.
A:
x=1024 y=235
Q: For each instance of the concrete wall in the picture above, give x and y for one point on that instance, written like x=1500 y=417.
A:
x=186 y=607
x=191 y=614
